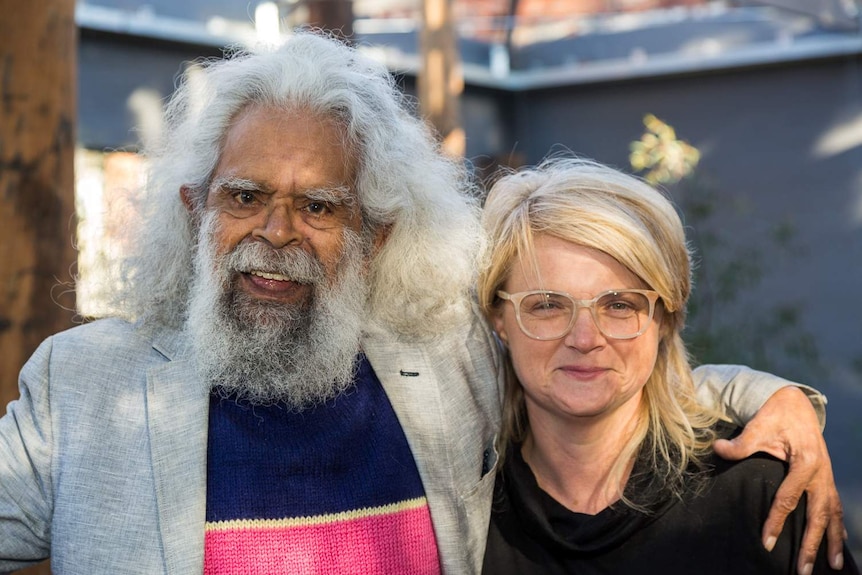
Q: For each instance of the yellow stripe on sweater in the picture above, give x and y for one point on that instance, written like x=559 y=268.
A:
x=366 y=512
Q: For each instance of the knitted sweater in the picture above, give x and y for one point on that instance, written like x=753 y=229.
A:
x=331 y=489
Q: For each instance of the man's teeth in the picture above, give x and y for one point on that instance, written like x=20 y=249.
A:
x=269 y=276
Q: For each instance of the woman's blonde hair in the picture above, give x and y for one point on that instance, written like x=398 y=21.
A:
x=595 y=206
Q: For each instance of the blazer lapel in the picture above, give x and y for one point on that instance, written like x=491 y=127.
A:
x=414 y=391
x=177 y=413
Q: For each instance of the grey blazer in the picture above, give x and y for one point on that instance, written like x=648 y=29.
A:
x=103 y=457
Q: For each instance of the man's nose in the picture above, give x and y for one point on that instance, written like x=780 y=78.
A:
x=277 y=227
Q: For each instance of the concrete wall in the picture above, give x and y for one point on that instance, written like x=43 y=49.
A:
x=783 y=148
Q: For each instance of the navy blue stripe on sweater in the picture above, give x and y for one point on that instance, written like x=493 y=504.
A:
x=270 y=463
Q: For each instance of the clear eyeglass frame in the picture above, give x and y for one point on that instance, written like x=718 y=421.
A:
x=516 y=299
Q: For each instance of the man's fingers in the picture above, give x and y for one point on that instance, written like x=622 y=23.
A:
x=798 y=442
x=815 y=526
x=824 y=515
x=836 y=535
x=786 y=500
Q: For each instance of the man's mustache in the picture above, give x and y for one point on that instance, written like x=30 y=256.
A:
x=293 y=263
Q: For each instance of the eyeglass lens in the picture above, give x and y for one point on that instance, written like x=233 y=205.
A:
x=617 y=314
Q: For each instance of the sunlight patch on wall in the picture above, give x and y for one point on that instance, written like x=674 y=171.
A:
x=146 y=107
x=843 y=137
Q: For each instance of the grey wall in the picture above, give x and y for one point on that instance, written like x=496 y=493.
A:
x=783 y=146
x=199 y=10
x=122 y=84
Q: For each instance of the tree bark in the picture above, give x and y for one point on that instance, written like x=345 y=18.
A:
x=332 y=15
x=441 y=80
x=38 y=54
x=38 y=44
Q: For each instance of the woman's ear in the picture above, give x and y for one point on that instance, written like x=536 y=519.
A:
x=500 y=326
x=668 y=325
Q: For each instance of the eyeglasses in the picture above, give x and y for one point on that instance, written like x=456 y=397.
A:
x=547 y=315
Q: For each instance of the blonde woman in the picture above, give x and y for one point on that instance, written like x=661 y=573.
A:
x=608 y=462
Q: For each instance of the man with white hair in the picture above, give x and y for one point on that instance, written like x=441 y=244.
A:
x=299 y=381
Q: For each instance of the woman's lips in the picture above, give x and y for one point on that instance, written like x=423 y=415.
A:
x=582 y=372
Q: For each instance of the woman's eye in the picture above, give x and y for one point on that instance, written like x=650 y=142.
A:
x=542 y=304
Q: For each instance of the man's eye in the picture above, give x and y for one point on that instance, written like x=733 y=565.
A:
x=317 y=208
x=243 y=197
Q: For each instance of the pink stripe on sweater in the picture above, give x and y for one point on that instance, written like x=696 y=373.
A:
x=394 y=543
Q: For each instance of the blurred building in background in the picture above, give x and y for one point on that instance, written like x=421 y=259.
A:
x=769 y=92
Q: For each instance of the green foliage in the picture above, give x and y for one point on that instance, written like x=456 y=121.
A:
x=730 y=320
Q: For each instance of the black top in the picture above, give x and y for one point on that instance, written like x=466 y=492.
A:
x=717 y=531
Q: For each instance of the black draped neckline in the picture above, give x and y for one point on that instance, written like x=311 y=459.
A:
x=562 y=530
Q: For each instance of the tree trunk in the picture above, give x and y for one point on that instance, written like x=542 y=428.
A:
x=441 y=79
x=38 y=53
x=332 y=15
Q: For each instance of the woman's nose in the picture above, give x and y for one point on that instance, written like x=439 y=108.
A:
x=584 y=334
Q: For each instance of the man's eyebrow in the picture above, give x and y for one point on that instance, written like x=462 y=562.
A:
x=337 y=195
x=236 y=184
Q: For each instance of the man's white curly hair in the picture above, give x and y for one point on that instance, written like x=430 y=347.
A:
x=421 y=278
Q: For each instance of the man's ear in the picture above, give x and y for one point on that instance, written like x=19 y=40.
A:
x=187 y=195
x=380 y=237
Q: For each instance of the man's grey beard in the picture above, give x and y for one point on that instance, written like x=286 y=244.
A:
x=266 y=352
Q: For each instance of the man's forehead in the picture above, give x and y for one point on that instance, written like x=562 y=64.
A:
x=302 y=120
x=278 y=147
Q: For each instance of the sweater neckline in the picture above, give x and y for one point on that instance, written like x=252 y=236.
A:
x=564 y=530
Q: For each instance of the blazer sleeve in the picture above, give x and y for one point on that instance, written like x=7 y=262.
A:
x=738 y=391
x=26 y=439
